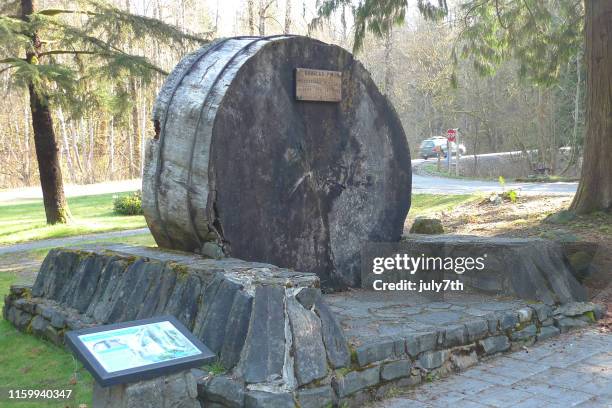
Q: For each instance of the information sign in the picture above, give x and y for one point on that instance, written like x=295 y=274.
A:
x=318 y=85
x=138 y=350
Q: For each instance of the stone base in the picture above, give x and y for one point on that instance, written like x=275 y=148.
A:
x=269 y=326
x=171 y=391
x=279 y=341
x=526 y=268
x=400 y=339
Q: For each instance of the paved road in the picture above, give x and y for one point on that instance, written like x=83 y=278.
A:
x=573 y=370
x=55 y=242
x=441 y=185
x=72 y=190
x=420 y=184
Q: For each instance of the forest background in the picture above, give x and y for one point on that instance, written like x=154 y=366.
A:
x=102 y=137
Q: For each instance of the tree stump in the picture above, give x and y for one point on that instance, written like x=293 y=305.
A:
x=239 y=167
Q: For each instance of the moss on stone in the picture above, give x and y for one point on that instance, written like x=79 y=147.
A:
x=26 y=294
x=182 y=272
x=215 y=368
x=341 y=372
x=78 y=252
x=129 y=260
x=392 y=392
x=590 y=315
x=520 y=326
x=353 y=355
x=430 y=377
x=427 y=225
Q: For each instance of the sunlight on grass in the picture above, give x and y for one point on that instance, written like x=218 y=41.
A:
x=140 y=239
x=32 y=363
x=25 y=221
x=423 y=204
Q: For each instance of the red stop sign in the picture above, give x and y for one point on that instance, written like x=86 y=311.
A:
x=451 y=135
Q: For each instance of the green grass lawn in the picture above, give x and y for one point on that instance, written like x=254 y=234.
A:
x=141 y=239
x=432 y=169
x=28 y=362
x=25 y=221
x=423 y=204
x=31 y=363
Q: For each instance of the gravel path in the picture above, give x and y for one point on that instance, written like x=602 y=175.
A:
x=55 y=242
x=572 y=370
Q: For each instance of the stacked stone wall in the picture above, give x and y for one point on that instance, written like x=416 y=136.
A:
x=277 y=341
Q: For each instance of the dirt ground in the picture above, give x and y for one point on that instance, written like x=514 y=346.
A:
x=526 y=218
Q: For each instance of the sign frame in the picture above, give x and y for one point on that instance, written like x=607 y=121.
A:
x=145 y=372
x=317 y=85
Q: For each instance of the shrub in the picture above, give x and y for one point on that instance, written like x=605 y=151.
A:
x=128 y=204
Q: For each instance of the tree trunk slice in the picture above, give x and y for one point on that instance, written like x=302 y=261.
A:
x=240 y=164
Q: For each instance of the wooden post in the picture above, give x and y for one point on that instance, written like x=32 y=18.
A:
x=448 y=155
x=458 y=153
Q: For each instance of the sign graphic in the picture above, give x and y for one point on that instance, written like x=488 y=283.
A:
x=133 y=351
x=137 y=346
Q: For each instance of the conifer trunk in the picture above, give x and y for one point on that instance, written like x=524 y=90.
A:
x=388 y=74
x=251 y=16
x=26 y=142
x=56 y=208
x=287 y=16
x=595 y=188
x=262 y=17
x=111 y=150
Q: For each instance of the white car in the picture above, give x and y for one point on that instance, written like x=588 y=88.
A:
x=429 y=147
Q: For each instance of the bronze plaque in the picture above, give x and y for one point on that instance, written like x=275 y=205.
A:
x=318 y=85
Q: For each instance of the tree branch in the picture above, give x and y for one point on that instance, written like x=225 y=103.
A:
x=6 y=68
x=499 y=19
x=267 y=6
x=53 y=12
x=75 y=52
x=533 y=17
x=471 y=10
x=146 y=63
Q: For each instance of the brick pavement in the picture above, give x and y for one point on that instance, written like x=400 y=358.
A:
x=572 y=370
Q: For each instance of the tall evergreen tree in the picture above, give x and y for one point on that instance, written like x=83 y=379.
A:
x=73 y=62
x=595 y=188
x=541 y=35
